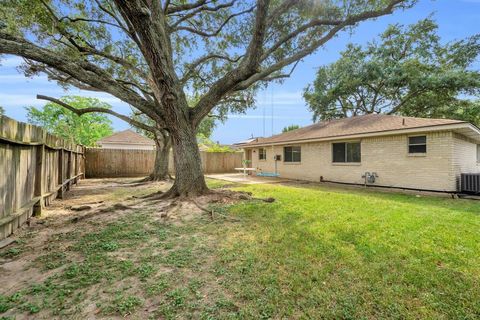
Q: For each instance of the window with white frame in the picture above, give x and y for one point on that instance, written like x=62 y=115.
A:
x=417 y=144
x=262 y=154
x=346 y=152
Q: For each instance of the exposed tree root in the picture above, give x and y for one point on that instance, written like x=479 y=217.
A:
x=234 y=195
x=113 y=208
x=155 y=178
x=212 y=212
x=167 y=211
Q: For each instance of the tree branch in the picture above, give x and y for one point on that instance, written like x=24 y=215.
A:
x=90 y=49
x=192 y=66
x=316 y=44
x=81 y=70
x=83 y=111
x=247 y=73
x=247 y=67
x=218 y=30
x=169 y=9
x=201 y=9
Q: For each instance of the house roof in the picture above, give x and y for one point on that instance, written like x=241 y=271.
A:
x=371 y=124
x=127 y=137
x=241 y=143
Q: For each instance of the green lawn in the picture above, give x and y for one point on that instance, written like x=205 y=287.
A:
x=316 y=252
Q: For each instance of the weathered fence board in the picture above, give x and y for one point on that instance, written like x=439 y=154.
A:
x=33 y=171
x=107 y=163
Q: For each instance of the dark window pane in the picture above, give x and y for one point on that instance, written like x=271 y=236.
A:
x=262 y=154
x=287 y=154
x=296 y=154
x=353 y=152
x=292 y=154
x=417 y=149
x=339 y=152
x=417 y=144
x=417 y=140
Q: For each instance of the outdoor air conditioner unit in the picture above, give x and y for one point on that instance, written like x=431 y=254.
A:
x=470 y=182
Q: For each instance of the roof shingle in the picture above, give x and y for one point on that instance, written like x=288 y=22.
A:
x=364 y=124
x=127 y=136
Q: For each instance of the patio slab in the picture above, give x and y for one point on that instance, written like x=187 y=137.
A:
x=240 y=178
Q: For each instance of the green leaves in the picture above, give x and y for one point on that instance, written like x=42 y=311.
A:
x=85 y=129
x=290 y=128
x=407 y=71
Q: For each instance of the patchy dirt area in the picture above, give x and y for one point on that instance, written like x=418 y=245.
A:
x=106 y=251
x=311 y=252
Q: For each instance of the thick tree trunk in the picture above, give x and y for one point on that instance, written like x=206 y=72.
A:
x=189 y=178
x=160 y=169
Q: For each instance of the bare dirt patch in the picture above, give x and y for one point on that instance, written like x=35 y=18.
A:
x=106 y=251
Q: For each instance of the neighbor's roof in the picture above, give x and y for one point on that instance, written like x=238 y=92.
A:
x=240 y=143
x=376 y=124
x=127 y=137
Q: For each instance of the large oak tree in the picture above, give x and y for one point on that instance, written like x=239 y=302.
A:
x=150 y=53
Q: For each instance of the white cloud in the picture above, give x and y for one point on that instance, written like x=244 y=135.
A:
x=30 y=99
x=280 y=98
x=19 y=100
x=10 y=61
x=20 y=78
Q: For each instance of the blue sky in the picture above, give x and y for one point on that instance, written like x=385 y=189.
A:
x=281 y=103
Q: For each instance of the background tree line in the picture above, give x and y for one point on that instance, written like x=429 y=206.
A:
x=407 y=71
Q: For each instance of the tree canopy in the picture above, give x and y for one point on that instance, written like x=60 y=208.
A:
x=407 y=71
x=85 y=130
x=150 y=54
x=290 y=128
x=2 y=111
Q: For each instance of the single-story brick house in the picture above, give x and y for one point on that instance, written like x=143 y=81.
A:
x=127 y=139
x=396 y=151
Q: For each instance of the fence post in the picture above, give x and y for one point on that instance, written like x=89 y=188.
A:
x=39 y=180
x=69 y=168
x=77 y=164
x=61 y=175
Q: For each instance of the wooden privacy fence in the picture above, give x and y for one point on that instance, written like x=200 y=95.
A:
x=35 y=168
x=107 y=163
x=220 y=162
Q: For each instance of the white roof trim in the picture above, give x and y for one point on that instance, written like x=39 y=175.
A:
x=445 y=127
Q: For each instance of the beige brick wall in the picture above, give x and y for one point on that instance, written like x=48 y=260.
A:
x=464 y=156
x=387 y=156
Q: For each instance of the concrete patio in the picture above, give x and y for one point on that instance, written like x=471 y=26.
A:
x=249 y=179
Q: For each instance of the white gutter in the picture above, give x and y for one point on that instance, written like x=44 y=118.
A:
x=445 y=127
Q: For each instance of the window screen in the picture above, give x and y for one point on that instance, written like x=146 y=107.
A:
x=417 y=144
x=292 y=154
x=262 y=154
x=339 y=152
x=347 y=152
